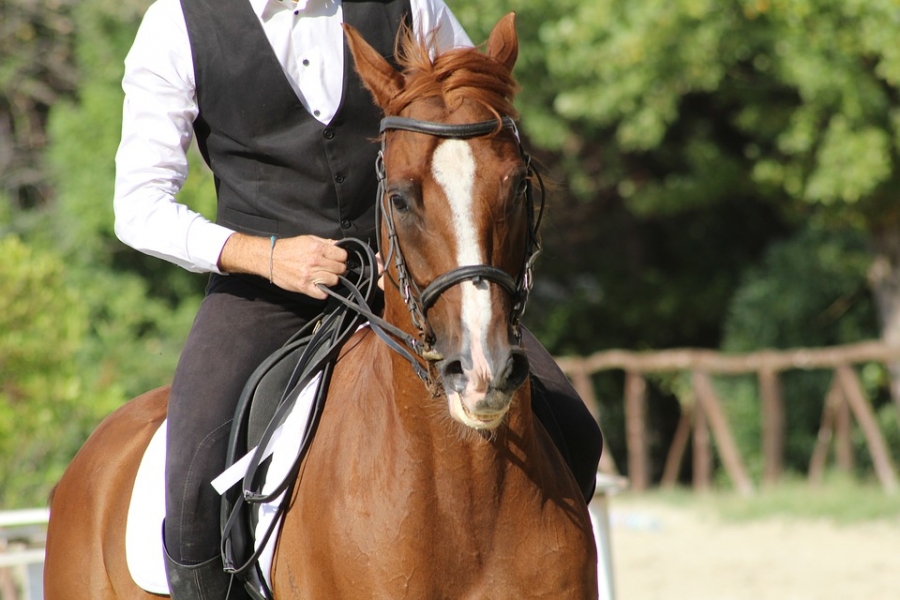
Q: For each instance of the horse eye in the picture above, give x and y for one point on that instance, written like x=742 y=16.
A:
x=522 y=187
x=398 y=201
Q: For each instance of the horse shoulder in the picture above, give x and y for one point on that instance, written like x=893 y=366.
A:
x=546 y=509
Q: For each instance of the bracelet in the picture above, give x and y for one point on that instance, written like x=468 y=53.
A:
x=272 y=258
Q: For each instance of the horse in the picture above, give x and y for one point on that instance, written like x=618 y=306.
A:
x=428 y=476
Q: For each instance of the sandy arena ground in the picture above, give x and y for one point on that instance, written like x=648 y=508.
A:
x=674 y=553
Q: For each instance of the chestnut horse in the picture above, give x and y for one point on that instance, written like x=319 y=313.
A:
x=400 y=495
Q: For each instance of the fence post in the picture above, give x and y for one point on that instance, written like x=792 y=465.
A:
x=881 y=457
x=833 y=399
x=843 y=444
x=772 y=425
x=731 y=458
x=636 y=429
x=702 y=453
x=7 y=585
x=679 y=444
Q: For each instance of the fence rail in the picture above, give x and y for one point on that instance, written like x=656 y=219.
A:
x=704 y=419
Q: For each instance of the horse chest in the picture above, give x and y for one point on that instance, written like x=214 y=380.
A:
x=395 y=522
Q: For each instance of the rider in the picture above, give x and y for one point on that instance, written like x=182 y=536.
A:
x=268 y=90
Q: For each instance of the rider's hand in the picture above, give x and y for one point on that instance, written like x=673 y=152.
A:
x=295 y=264
x=300 y=263
x=380 y=262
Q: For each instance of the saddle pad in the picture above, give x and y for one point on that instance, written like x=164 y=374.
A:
x=143 y=532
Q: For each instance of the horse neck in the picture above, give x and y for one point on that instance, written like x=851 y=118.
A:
x=473 y=466
x=456 y=464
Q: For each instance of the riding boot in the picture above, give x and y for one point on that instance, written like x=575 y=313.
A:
x=205 y=581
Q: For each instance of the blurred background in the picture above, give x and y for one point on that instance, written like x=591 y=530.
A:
x=725 y=176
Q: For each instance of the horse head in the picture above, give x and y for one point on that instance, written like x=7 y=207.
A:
x=457 y=219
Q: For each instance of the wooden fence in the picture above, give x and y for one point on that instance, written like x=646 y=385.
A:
x=705 y=418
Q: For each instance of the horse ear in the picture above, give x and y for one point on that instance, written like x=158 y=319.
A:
x=503 y=44
x=382 y=79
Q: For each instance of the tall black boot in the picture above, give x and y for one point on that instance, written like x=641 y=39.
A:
x=205 y=581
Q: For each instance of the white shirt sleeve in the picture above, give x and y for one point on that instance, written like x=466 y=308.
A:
x=151 y=163
x=434 y=18
x=157 y=129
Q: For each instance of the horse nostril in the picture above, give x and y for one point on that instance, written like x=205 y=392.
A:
x=515 y=372
x=453 y=367
x=453 y=375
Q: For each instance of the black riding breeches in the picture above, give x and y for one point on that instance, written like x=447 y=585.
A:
x=243 y=320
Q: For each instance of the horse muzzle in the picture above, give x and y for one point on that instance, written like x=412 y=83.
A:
x=480 y=389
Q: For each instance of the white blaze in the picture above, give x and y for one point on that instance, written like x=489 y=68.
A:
x=453 y=167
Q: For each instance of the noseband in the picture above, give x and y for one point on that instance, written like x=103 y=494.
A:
x=419 y=301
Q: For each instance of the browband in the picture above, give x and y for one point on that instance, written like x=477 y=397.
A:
x=461 y=131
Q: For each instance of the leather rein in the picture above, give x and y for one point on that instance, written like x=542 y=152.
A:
x=419 y=301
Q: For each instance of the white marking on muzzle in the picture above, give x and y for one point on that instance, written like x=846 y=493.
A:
x=453 y=167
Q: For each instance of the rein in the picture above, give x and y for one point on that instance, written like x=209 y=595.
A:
x=354 y=291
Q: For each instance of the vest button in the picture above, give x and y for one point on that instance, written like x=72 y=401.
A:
x=328 y=134
x=339 y=178
x=345 y=223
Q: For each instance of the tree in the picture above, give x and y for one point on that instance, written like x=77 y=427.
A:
x=142 y=306
x=793 y=103
x=90 y=322
x=48 y=401
x=36 y=40
x=616 y=271
x=809 y=290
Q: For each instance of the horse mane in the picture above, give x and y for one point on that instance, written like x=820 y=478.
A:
x=453 y=76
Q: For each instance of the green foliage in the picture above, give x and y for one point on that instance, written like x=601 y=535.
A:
x=141 y=307
x=609 y=279
x=681 y=107
x=809 y=290
x=645 y=238
x=84 y=136
x=717 y=170
x=91 y=322
x=808 y=89
x=48 y=402
x=36 y=70
x=889 y=423
x=711 y=131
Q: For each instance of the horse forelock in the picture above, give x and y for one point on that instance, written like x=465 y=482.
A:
x=453 y=76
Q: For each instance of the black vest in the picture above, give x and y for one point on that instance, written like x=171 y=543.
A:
x=278 y=170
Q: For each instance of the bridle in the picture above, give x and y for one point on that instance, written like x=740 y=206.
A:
x=418 y=302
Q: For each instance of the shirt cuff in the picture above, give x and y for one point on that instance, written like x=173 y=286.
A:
x=205 y=243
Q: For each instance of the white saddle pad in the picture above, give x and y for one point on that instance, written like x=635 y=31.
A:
x=143 y=533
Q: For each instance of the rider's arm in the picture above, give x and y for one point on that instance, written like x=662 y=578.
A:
x=151 y=163
x=157 y=128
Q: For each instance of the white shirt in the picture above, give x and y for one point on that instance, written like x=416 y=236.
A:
x=161 y=106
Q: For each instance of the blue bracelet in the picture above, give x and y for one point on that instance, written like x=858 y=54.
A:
x=271 y=258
